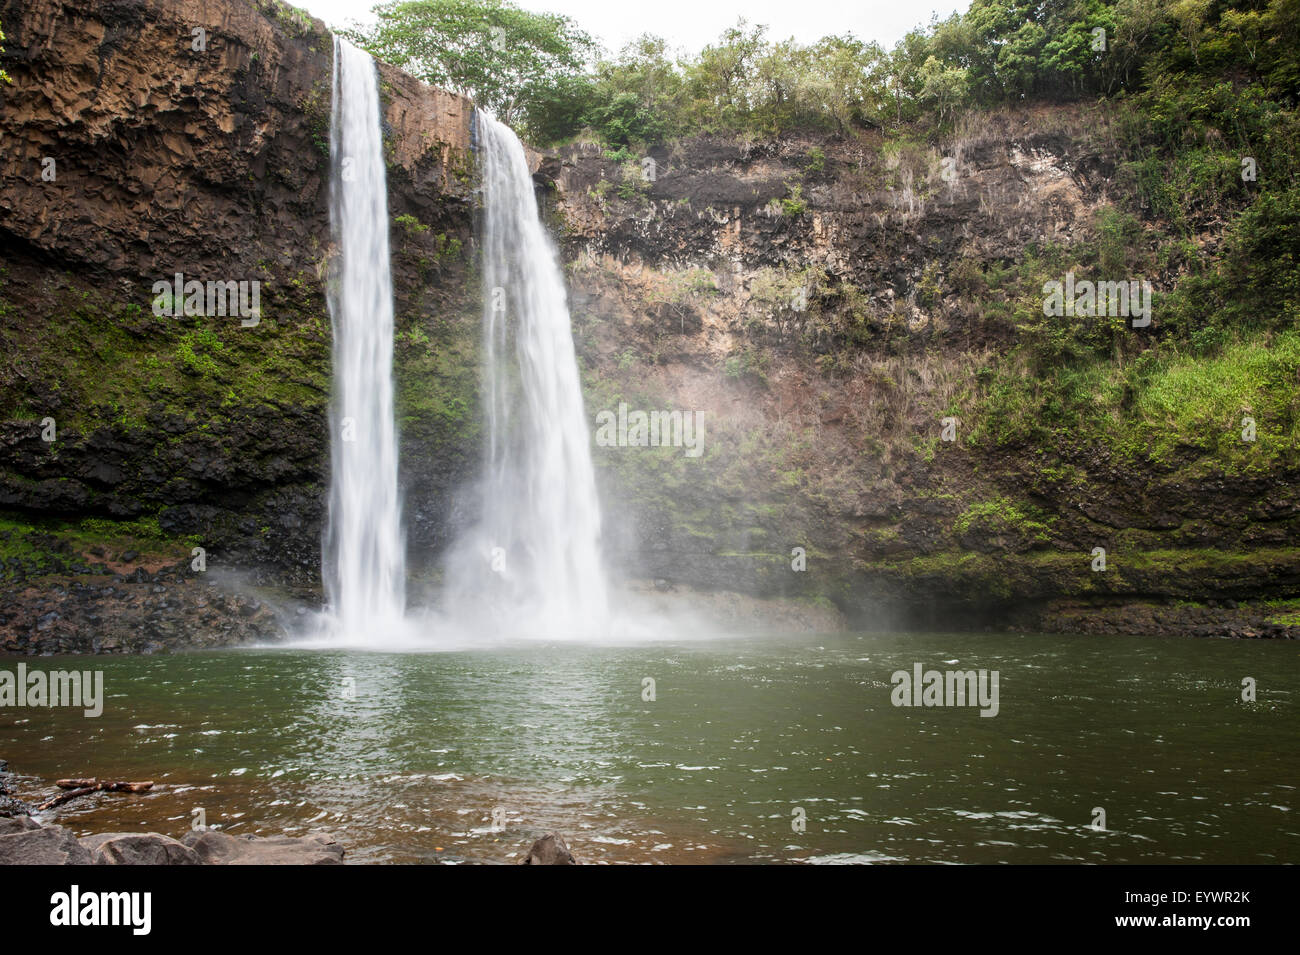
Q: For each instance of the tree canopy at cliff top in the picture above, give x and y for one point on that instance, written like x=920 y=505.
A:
x=544 y=73
x=1195 y=92
x=489 y=50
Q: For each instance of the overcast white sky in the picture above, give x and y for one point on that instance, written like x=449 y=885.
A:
x=690 y=24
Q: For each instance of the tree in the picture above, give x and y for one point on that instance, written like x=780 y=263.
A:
x=1190 y=16
x=1282 y=20
x=1018 y=59
x=1246 y=30
x=942 y=87
x=559 y=109
x=721 y=74
x=902 y=71
x=1137 y=24
x=639 y=96
x=500 y=56
x=992 y=24
x=850 y=80
x=1072 y=57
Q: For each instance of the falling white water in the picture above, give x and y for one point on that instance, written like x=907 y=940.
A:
x=533 y=564
x=363 y=556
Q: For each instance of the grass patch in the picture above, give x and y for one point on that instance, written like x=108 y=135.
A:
x=52 y=545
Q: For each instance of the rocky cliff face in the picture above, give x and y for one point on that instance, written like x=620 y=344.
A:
x=828 y=304
x=144 y=139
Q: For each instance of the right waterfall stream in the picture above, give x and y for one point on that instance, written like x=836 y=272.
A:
x=532 y=564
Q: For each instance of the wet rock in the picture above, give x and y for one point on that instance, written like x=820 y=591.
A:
x=549 y=850
x=24 y=841
x=9 y=806
x=52 y=845
x=138 y=848
x=18 y=824
x=131 y=615
x=220 y=848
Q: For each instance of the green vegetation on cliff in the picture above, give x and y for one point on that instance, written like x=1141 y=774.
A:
x=999 y=52
x=1173 y=148
x=106 y=361
x=4 y=77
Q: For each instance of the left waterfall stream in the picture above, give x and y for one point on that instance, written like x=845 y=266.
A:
x=363 y=554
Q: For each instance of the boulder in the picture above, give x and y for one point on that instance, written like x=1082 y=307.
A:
x=52 y=845
x=549 y=850
x=9 y=806
x=220 y=848
x=18 y=824
x=138 y=848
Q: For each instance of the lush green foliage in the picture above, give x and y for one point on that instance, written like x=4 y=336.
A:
x=998 y=52
x=1193 y=93
x=537 y=69
x=499 y=55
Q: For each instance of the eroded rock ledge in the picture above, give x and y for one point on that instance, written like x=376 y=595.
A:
x=24 y=841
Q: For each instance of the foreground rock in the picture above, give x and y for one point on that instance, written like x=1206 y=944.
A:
x=138 y=848
x=24 y=841
x=549 y=850
x=221 y=848
x=29 y=843
x=9 y=805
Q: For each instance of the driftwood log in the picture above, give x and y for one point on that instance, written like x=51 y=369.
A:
x=84 y=787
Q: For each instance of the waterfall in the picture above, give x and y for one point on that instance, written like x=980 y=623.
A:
x=534 y=560
x=363 y=553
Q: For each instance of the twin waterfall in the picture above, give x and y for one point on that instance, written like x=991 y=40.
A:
x=535 y=556
x=531 y=565
x=363 y=559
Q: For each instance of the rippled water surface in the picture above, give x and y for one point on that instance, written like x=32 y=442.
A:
x=741 y=734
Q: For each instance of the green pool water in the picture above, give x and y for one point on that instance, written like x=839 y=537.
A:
x=469 y=755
